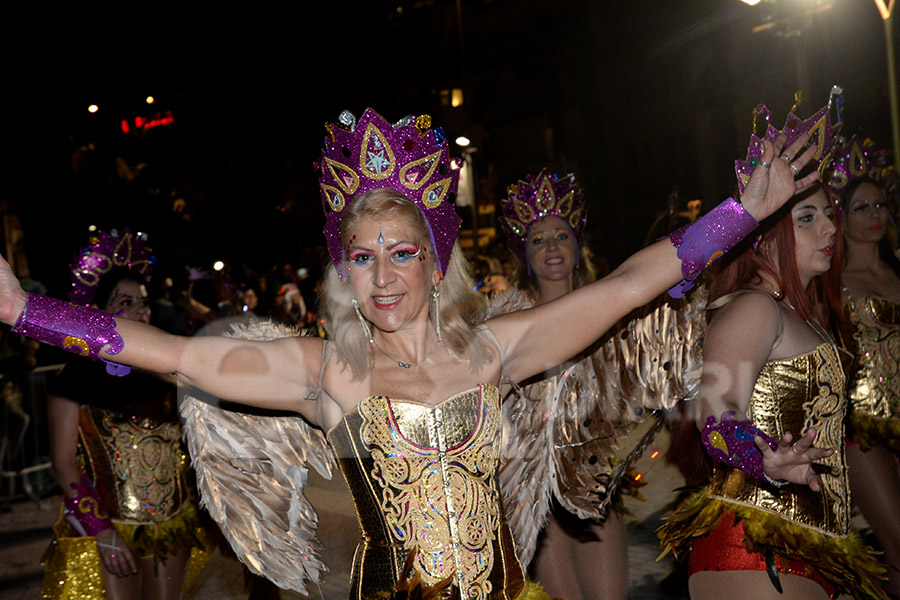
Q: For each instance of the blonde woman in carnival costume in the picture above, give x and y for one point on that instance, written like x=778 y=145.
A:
x=773 y=385
x=130 y=521
x=406 y=389
x=561 y=474
x=871 y=280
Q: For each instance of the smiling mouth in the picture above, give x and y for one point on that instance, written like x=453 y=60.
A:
x=875 y=228
x=384 y=302
x=553 y=261
x=827 y=251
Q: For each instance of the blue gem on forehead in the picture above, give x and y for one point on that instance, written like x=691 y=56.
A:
x=380 y=238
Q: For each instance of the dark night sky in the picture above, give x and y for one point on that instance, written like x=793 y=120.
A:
x=634 y=97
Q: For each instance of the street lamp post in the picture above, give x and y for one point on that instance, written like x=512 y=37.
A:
x=886 y=10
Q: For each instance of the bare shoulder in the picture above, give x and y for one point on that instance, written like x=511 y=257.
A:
x=752 y=316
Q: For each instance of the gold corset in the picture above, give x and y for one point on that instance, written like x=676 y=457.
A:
x=424 y=480
x=875 y=378
x=136 y=463
x=794 y=394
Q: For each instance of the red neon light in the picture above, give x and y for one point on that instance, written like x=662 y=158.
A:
x=125 y=127
x=161 y=119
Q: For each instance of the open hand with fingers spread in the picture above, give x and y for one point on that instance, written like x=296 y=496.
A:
x=793 y=461
x=774 y=180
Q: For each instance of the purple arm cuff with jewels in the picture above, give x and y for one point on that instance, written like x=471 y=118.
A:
x=77 y=329
x=731 y=441
x=711 y=236
x=84 y=512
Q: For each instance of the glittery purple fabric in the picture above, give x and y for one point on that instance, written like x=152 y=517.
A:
x=84 y=511
x=107 y=251
x=822 y=136
x=731 y=441
x=77 y=329
x=854 y=160
x=410 y=157
x=706 y=240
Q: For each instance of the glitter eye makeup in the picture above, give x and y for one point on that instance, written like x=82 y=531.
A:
x=405 y=253
x=361 y=258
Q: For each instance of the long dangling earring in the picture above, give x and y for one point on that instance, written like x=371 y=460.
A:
x=436 y=309
x=363 y=322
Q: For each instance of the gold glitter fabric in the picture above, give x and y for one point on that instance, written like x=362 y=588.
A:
x=875 y=374
x=793 y=522
x=424 y=481
x=561 y=429
x=793 y=395
x=74 y=571
x=136 y=463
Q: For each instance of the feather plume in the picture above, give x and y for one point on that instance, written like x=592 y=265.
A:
x=251 y=471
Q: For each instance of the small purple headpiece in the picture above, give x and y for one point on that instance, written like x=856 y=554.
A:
x=409 y=157
x=854 y=159
x=821 y=135
x=536 y=197
x=106 y=252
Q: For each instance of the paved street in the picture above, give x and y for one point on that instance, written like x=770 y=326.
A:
x=25 y=531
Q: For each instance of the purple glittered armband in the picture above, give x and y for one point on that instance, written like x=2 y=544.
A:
x=731 y=441
x=77 y=329
x=711 y=236
x=84 y=512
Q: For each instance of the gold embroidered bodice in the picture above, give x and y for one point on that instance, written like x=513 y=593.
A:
x=423 y=480
x=875 y=378
x=794 y=394
x=135 y=461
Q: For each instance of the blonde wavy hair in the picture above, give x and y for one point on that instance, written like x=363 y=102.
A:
x=459 y=302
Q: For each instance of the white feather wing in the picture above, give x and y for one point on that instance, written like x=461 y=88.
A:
x=251 y=471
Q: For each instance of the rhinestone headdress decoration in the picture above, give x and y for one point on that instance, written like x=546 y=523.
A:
x=821 y=135
x=854 y=159
x=536 y=197
x=410 y=157
x=106 y=252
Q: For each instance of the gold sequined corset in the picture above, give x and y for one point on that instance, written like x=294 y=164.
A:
x=424 y=480
x=794 y=394
x=875 y=376
x=136 y=463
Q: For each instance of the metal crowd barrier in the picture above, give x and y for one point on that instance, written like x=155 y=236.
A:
x=24 y=438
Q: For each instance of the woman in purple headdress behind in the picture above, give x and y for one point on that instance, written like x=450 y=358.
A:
x=871 y=279
x=129 y=519
x=562 y=477
x=407 y=387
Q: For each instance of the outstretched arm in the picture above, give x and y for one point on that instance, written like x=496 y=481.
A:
x=274 y=374
x=540 y=338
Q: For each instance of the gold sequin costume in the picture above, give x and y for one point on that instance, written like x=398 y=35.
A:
x=424 y=481
x=790 y=394
x=875 y=375
x=560 y=432
x=133 y=455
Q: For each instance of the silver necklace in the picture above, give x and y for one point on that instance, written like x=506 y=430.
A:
x=406 y=365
